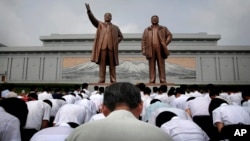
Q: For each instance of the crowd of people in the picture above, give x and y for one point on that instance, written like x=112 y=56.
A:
x=125 y=111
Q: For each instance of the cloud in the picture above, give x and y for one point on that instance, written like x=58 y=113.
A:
x=23 y=22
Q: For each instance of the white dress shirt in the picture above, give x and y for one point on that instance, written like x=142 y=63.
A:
x=57 y=133
x=70 y=99
x=9 y=127
x=38 y=111
x=56 y=105
x=89 y=106
x=230 y=114
x=198 y=106
x=97 y=117
x=162 y=97
x=180 y=102
x=236 y=98
x=44 y=95
x=70 y=113
x=184 y=130
x=98 y=100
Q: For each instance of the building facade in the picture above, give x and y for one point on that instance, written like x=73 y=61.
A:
x=65 y=58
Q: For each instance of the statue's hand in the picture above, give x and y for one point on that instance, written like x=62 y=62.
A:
x=87 y=6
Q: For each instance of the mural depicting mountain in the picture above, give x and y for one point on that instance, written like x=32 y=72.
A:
x=126 y=71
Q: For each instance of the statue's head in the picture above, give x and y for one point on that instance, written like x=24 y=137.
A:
x=154 y=20
x=107 y=17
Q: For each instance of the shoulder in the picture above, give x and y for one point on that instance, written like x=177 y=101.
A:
x=162 y=27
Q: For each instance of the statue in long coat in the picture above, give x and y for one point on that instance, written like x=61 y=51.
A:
x=105 y=48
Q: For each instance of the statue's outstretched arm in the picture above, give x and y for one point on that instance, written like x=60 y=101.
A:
x=92 y=18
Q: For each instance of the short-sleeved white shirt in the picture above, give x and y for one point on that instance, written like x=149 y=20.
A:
x=162 y=97
x=97 y=117
x=38 y=111
x=56 y=105
x=98 y=100
x=89 y=106
x=184 y=130
x=70 y=99
x=198 y=106
x=44 y=95
x=9 y=127
x=70 y=113
x=230 y=114
x=57 y=133
x=11 y=94
x=180 y=102
x=236 y=98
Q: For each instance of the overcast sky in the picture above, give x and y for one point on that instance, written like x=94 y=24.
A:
x=22 y=22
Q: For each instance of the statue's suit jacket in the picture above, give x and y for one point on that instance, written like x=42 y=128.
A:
x=164 y=36
x=116 y=38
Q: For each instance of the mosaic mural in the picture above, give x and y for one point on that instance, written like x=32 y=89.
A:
x=130 y=70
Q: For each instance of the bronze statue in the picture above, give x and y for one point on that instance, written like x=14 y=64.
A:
x=154 y=44
x=105 y=49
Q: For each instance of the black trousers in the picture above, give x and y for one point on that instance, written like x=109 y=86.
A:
x=26 y=134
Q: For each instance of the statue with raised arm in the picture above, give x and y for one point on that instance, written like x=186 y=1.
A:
x=154 y=44
x=105 y=48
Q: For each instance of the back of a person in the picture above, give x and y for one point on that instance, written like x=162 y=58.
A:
x=52 y=134
x=120 y=125
x=184 y=130
x=35 y=115
x=198 y=106
x=8 y=126
x=229 y=116
x=70 y=113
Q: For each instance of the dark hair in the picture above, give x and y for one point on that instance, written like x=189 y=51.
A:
x=32 y=96
x=154 y=100
x=121 y=92
x=101 y=89
x=179 y=91
x=171 y=91
x=48 y=102
x=66 y=90
x=72 y=124
x=141 y=86
x=215 y=103
x=80 y=96
x=46 y=88
x=33 y=88
x=12 y=87
x=163 y=88
x=147 y=90
x=73 y=94
x=85 y=85
x=213 y=92
x=62 y=99
x=190 y=98
x=17 y=108
x=96 y=88
x=164 y=117
x=155 y=89
x=76 y=87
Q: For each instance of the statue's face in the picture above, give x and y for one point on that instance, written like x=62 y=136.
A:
x=107 y=17
x=154 y=20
